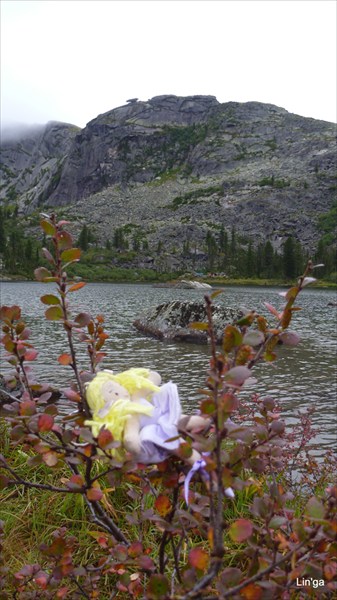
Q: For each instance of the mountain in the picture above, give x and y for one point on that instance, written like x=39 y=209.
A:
x=174 y=168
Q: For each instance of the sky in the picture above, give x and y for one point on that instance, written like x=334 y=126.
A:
x=70 y=60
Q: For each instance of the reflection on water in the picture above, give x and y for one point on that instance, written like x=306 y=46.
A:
x=302 y=377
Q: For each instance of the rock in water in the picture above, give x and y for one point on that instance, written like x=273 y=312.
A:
x=170 y=321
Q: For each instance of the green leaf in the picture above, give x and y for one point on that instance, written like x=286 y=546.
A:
x=216 y=293
x=240 y=530
x=50 y=299
x=48 y=227
x=314 y=508
x=73 y=254
x=54 y=313
x=158 y=587
x=232 y=338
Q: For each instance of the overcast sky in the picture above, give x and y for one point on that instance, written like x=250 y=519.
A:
x=70 y=60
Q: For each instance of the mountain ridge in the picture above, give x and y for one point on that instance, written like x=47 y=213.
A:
x=176 y=167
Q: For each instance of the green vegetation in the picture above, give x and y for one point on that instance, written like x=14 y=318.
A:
x=193 y=196
x=128 y=255
x=271 y=181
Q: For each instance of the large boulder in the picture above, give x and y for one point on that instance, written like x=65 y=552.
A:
x=170 y=321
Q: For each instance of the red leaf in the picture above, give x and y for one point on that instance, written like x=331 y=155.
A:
x=198 y=558
x=94 y=494
x=83 y=319
x=251 y=592
x=64 y=239
x=240 y=530
x=48 y=256
x=77 y=286
x=65 y=359
x=163 y=505
x=31 y=354
x=75 y=482
x=45 y=422
x=71 y=395
x=135 y=549
x=105 y=438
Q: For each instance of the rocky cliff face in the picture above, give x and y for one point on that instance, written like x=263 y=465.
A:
x=177 y=167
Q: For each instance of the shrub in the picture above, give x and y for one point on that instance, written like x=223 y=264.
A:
x=235 y=526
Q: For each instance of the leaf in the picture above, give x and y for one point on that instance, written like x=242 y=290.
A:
x=54 y=313
x=48 y=227
x=64 y=239
x=272 y=309
x=48 y=256
x=231 y=576
x=216 y=293
x=135 y=549
x=198 y=558
x=76 y=286
x=237 y=376
x=158 y=587
x=50 y=299
x=75 y=482
x=251 y=592
x=290 y=338
x=314 y=508
x=105 y=438
x=308 y=280
x=31 y=354
x=83 y=319
x=291 y=293
x=232 y=338
x=71 y=255
x=240 y=530
x=3 y=481
x=45 y=422
x=163 y=505
x=253 y=338
x=65 y=359
x=94 y=494
x=50 y=458
x=71 y=395
x=41 y=273
x=27 y=408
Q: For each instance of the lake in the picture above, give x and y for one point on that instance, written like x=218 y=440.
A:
x=304 y=376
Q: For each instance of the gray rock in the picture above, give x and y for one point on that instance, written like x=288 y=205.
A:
x=170 y=321
x=180 y=166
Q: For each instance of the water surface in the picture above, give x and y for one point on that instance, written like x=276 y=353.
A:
x=302 y=377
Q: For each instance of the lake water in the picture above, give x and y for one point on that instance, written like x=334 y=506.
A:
x=304 y=376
